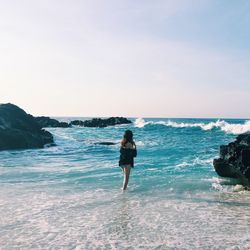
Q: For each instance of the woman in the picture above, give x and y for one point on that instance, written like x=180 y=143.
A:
x=127 y=153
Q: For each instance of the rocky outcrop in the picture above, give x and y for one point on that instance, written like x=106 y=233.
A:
x=45 y=122
x=77 y=123
x=19 y=130
x=101 y=123
x=234 y=160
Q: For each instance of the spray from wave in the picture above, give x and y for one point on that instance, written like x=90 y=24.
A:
x=222 y=125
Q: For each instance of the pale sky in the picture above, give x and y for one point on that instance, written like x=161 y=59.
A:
x=135 y=58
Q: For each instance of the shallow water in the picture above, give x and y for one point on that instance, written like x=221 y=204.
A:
x=69 y=196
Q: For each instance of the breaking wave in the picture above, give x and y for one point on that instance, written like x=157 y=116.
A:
x=196 y=161
x=220 y=124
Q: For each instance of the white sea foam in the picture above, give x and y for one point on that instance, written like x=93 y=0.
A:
x=215 y=179
x=217 y=184
x=196 y=161
x=217 y=187
x=236 y=128
x=227 y=185
x=220 y=124
x=140 y=123
x=238 y=188
x=140 y=143
x=98 y=219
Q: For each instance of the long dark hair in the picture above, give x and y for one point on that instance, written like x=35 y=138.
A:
x=127 y=137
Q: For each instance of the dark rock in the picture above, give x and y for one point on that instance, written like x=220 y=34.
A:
x=224 y=169
x=45 y=122
x=96 y=122
x=245 y=157
x=105 y=143
x=64 y=125
x=101 y=123
x=234 y=159
x=223 y=151
x=19 y=130
x=77 y=123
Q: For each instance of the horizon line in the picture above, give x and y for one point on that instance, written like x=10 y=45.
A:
x=151 y=117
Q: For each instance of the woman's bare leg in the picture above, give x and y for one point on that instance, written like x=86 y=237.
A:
x=126 y=171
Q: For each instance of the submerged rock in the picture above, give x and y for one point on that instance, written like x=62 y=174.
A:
x=19 y=130
x=102 y=123
x=234 y=159
x=107 y=143
x=45 y=121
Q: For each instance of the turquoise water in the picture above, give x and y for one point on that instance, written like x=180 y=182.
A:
x=69 y=196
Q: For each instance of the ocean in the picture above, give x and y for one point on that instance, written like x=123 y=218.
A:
x=69 y=196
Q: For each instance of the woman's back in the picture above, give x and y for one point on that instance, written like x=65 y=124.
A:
x=127 y=153
x=130 y=145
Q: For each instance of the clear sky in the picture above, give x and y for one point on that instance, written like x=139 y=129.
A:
x=136 y=58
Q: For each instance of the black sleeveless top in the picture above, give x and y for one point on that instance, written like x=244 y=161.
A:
x=127 y=156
